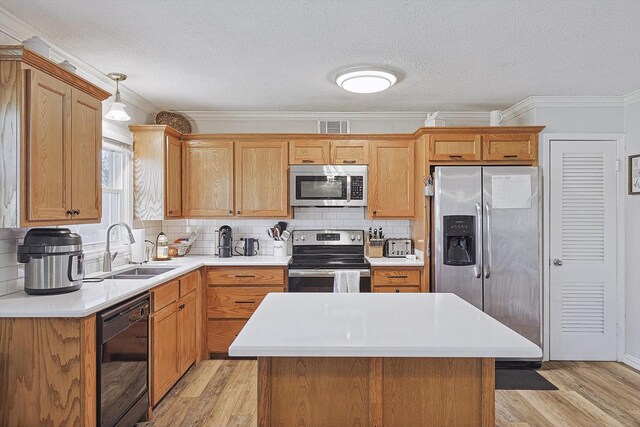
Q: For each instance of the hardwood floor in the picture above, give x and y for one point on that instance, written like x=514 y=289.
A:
x=223 y=393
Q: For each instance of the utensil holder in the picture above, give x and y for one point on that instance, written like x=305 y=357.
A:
x=280 y=248
x=373 y=248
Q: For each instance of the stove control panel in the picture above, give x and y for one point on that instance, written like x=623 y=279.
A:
x=327 y=237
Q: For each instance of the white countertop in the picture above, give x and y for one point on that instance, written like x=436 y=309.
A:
x=93 y=297
x=376 y=325
x=395 y=262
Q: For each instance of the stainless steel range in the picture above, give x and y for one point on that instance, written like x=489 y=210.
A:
x=317 y=254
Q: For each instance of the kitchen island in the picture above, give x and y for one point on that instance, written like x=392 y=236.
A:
x=376 y=359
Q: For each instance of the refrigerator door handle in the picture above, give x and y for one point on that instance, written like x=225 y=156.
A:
x=487 y=264
x=477 y=268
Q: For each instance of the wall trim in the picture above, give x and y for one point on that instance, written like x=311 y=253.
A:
x=632 y=361
x=19 y=30
x=480 y=117
x=631 y=97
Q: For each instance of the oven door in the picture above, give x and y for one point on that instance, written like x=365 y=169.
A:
x=321 y=280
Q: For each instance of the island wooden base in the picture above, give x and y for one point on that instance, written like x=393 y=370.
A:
x=361 y=391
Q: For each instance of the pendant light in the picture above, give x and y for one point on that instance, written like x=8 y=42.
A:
x=116 y=111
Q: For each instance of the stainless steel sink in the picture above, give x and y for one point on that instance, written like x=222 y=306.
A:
x=139 y=273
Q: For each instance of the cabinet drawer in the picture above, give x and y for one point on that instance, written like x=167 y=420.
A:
x=189 y=282
x=396 y=277
x=509 y=147
x=164 y=295
x=455 y=147
x=396 y=289
x=236 y=302
x=350 y=152
x=221 y=333
x=309 y=152
x=245 y=276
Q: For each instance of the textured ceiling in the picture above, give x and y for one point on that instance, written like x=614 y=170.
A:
x=283 y=54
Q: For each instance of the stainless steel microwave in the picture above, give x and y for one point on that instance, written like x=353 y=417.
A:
x=328 y=185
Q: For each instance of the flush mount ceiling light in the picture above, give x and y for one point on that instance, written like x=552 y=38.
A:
x=366 y=80
x=116 y=111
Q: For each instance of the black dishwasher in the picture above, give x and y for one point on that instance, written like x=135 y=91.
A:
x=123 y=362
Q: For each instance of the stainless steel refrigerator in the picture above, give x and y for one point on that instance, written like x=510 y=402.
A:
x=487 y=242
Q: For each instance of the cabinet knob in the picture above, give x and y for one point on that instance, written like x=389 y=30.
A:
x=170 y=211
x=238 y=212
x=397 y=290
x=230 y=212
x=375 y=212
x=70 y=212
x=76 y=212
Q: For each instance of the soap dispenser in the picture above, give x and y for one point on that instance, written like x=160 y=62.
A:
x=162 y=247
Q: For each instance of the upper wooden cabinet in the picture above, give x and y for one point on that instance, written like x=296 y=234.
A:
x=326 y=151
x=261 y=178
x=53 y=119
x=391 y=179
x=455 y=147
x=510 y=146
x=207 y=178
x=309 y=152
x=157 y=172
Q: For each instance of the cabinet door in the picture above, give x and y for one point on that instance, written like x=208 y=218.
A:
x=350 y=152
x=187 y=324
x=510 y=147
x=173 y=183
x=455 y=147
x=391 y=179
x=48 y=149
x=86 y=157
x=261 y=179
x=207 y=186
x=309 y=152
x=164 y=339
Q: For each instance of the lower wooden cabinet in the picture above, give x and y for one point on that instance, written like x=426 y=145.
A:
x=233 y=294
x=396 y=279
x=174 y=324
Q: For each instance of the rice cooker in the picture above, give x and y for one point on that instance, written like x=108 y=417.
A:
x=53 y=261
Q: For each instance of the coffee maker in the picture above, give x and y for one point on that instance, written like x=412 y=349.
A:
x=225 y=242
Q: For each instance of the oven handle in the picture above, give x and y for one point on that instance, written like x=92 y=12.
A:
x=323 y=273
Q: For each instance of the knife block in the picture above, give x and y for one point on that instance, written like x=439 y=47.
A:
x=373 y=248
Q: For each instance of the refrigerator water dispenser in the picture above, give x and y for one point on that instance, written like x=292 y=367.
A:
x=459 y=240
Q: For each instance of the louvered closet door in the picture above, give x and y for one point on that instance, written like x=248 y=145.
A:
x=583 y=250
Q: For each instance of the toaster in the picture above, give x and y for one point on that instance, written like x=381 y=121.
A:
x=397 y=248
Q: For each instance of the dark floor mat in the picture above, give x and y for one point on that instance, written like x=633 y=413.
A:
x=521 y=379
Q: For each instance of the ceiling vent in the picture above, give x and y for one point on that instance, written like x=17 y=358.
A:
x=333 y=126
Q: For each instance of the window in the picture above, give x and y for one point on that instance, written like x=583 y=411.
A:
x=116 y=196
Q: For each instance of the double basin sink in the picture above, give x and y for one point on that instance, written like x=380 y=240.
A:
x=140 y=273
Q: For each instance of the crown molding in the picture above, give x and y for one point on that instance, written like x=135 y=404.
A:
x=631 y=97
x=19 y=30
x=468 y=117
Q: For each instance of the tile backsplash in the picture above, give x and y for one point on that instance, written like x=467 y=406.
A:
x=12 y=273
x=304 y=218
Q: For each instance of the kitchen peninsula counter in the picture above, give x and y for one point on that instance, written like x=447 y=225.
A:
x=376 y=359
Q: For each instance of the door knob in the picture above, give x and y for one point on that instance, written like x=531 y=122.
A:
x=557 y=262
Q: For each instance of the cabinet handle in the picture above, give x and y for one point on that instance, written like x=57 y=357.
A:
x=375 y=212
x=70 y=212
x=76 y=212
x=245 y=275
x=397 y=277
x=397 y=290
x=170 y=211
x=230 y=212
x=308 y=161
x=510 y=156
x=238 y=212
x=348 y=161
x=455 y=157
x=245 y=302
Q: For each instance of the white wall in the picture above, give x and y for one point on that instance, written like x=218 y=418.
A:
x=632 y=245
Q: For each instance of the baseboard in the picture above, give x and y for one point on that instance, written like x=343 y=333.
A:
x=632 y=361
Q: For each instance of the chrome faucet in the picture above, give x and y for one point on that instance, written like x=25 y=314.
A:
x=107 y=257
